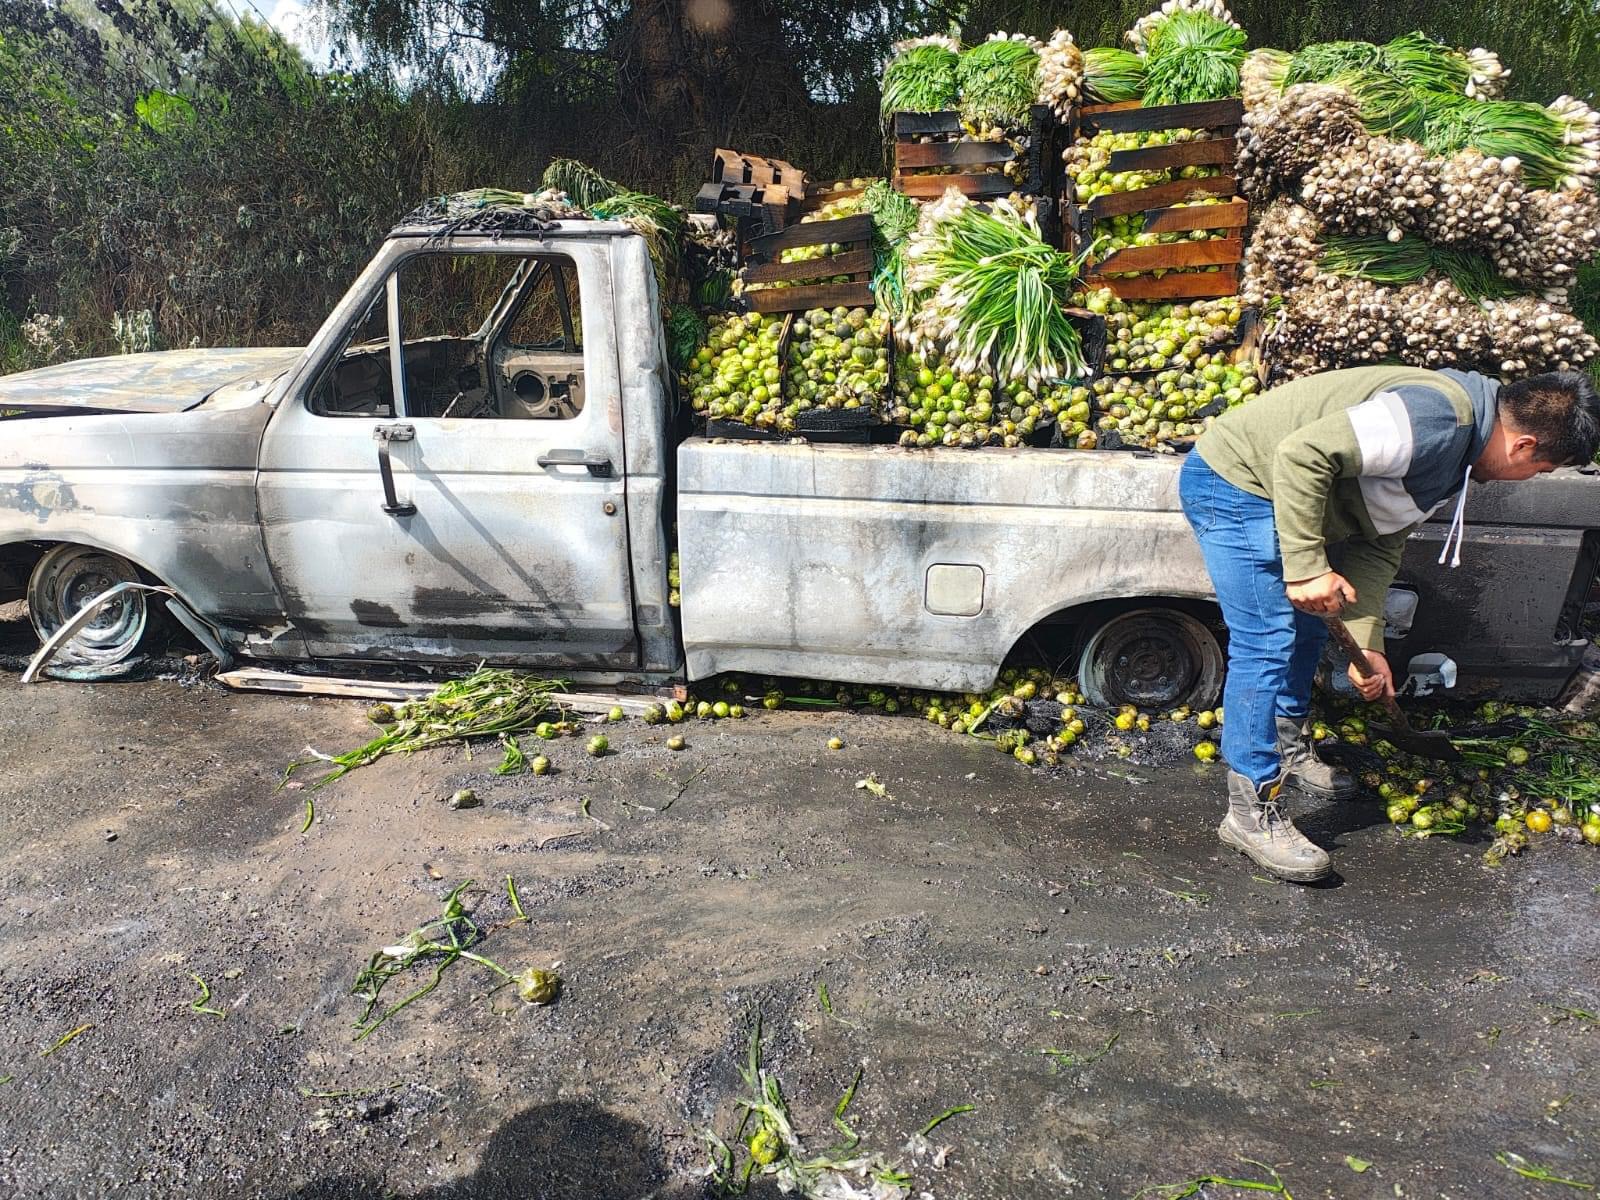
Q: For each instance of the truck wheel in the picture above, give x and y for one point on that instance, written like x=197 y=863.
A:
x=66 y=579
x=1153 y=658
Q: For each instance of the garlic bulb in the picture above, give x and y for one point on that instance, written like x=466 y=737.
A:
x=1286 y=136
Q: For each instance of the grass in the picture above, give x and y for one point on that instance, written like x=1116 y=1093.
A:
x=70 y=1035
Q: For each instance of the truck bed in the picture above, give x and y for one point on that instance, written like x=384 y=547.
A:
x=925 y=568
x=916 y=568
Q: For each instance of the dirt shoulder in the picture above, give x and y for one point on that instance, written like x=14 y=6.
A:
x=1410 y=1015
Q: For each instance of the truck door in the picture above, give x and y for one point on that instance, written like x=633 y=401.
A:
x=446 y=480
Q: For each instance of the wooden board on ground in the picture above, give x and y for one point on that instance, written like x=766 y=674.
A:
x=260 y=679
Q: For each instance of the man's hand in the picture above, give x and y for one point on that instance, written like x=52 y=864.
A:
x=1325 y=594
x=1381 y=682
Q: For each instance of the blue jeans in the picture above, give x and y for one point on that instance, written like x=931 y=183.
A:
x=1273 y=648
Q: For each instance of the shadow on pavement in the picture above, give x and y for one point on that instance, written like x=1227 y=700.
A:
x=573 y=1150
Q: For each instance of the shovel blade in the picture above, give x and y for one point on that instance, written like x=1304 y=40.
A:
x=1434 y=743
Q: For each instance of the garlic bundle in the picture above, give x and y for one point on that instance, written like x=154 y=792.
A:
x=1283 y=253
x=1332 y=322
x=1531 y=336
x=1477 y=201
x=1060 y=73
x=1377 y=186
x=1284 y=137
x=1140 y=33
x=1558 y=232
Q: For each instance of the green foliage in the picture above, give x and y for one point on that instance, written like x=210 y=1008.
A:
x=165 y=155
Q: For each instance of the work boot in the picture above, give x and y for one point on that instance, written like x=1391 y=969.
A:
x=1300 y=762
x=1257 y=826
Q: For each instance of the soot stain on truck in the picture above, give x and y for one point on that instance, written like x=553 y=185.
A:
x=39 y=495
x=373 y=615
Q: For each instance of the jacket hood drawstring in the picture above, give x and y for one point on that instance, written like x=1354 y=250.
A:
x=1484 y=393
x=1458 y=524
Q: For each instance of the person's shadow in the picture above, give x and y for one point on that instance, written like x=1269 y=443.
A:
x=570 y=1150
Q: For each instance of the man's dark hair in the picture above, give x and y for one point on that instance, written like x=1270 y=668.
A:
x=1561 y=410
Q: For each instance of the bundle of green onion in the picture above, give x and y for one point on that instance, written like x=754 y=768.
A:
x=999 y=80
x=894 y=219
x=1193 y=55
x=920 y=76
x=991 y=295
x=1555 y=151
x=660 y=224
x=581 y=182
x=1112 y=76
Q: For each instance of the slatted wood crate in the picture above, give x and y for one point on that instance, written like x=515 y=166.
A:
x=854 y=262
x=826 y=192
x=927 y=145
x=1221 y=119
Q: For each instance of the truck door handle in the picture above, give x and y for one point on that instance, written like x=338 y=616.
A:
x=384 y=435
x=598 y=465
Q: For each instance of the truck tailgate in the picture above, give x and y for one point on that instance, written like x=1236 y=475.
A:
x=914 y=568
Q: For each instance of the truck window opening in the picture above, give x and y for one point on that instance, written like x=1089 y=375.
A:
x=486 y=336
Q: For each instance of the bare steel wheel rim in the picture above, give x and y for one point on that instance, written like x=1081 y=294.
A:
x=1152 y=658
x=64 y=581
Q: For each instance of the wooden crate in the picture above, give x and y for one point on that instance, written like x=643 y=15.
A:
x=855 y=261
x=916 y=160
x=1221 y=118
x=826 y=192
x=732 y=166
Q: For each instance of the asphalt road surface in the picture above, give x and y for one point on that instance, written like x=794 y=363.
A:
x=1120 y=1000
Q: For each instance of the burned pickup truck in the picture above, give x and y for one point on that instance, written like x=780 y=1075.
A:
x=441 y=481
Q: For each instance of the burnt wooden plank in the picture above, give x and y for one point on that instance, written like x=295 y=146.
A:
x=915 y=124
x=1211 y=152
x=965 y=153
x=814 y=233
x=1213 y=252
x=818 y=295
x=1158 y=196
x=850 y=262
x=1132 y=117
x=1233 y=214
x=931 y=187
x=1193 y=286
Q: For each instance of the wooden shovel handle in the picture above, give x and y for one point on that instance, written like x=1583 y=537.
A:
x=1358 y=659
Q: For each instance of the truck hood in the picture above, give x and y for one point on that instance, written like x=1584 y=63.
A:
x=165 y=381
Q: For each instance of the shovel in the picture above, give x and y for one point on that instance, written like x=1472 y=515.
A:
x=1434 y=744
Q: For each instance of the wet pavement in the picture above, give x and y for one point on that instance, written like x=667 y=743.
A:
x=1419 y=1013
